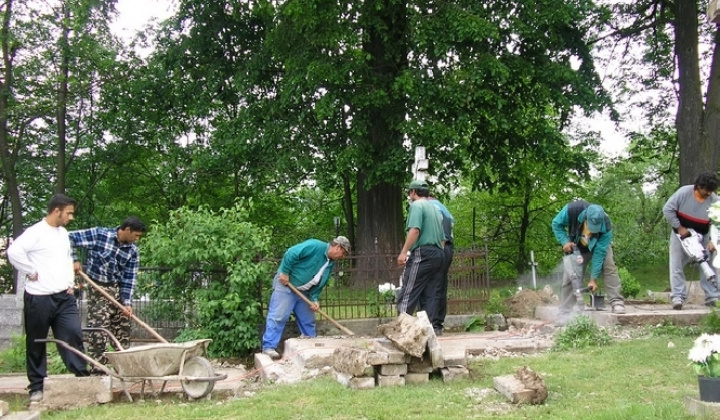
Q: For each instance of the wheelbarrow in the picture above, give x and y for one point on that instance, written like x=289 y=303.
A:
x=162 y=361
x=184 y=362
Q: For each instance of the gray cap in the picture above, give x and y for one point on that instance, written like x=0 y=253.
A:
x=343 y=242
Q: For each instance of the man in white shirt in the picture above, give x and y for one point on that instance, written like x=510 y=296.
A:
x=42 y=256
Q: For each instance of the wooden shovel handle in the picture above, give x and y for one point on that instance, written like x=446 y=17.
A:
x=335 y=323
x=121 y=307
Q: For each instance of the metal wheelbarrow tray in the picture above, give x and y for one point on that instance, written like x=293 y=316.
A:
x=165 y=362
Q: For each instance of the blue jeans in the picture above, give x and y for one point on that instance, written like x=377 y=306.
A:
x=283 y=302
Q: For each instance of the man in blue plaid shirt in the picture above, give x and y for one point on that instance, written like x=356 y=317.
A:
x=112 y=262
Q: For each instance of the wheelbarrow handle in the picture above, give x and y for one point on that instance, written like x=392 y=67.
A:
x=335 y=323
x=121 y=307
x=87 y=358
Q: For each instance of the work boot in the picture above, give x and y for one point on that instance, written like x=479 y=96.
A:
x=272 y=353
x=36 y=396
x=677 y=304
x=618 y=308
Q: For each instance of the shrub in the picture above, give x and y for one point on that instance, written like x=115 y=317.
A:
x=225 y=309
x=581 y=332
x=630 y=287
x=12 y=360
x=710 y=323
x=496 y=303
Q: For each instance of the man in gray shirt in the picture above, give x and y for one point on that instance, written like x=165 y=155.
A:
x=687 y=209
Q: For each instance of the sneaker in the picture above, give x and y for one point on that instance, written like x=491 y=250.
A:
x=618 y=308
x=677 y=304
x=304 y=337
x=272 y=353
x=711 y=304
x=36 y=396
x=438 y=332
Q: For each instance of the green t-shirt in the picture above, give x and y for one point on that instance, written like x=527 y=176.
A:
x=426 y=217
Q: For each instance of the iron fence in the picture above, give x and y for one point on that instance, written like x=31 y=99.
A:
x=351 y=294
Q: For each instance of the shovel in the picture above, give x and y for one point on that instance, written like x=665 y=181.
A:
x=121 y=307
x=335 y=323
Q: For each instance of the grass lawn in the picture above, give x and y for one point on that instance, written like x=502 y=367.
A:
x=643 y=378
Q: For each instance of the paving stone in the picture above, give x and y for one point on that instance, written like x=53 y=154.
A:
x=62 y=392
x=353 y=382
x=22 y=415
x=393 y=370
x=513 y=389
x=417 y=378
x=352 y=361
x=452 y=373
x=389 y=381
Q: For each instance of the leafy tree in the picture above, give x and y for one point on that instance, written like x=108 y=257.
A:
x=669 y=36
x=337 y=91
x=226 y=309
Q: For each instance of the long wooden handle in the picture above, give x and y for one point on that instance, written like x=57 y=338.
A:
x=122 y=307
x=335 y=323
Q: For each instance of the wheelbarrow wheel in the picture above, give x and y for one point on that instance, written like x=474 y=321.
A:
x=200 y=367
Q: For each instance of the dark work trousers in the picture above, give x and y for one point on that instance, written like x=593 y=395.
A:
x=421 y=277
x=439 y=320
x=59 y=312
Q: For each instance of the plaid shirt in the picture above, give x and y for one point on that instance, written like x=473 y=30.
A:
x=108 y=260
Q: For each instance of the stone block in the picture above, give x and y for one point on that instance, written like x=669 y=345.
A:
x=407 y=333
x=433 y=344
x=393 y=370
x=388 y=381
x=452 y=373
x=4 y=408
x=417 y=365
x=384 y=350
x=65 y=392
x=352 y=361
x=23 y=415
x=417 y=378
x=702 y=409
x=513 y=389
x=355 y=382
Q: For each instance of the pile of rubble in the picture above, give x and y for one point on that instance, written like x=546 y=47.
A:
x=408 y=355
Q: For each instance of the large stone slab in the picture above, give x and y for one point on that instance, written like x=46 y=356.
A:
x=436 y=355
x=407 y=333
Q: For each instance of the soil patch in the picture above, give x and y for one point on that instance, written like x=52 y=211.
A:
x=523 y=304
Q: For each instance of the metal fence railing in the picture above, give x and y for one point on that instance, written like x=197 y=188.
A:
x=351 y=294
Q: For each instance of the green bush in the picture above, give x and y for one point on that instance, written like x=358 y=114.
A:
x=581 y=332
x=224 y=308
x=496 y=302
x=710 y=323
x=475 y=324
x=668 y=329
x=630 y=287
x=12 y=360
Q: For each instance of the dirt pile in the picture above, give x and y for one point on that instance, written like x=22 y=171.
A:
x=523 y=304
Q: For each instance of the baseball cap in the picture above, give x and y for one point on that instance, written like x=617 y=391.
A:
x=419 y=185
x=594 y=217
x=343 y=242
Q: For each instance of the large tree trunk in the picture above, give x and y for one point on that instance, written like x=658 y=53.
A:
x=62 y=100
x=693 y=154
x=380 y=224
x=711 y=121
x=8 y=153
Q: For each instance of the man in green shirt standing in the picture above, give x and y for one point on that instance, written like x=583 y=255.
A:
x=422 y=254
